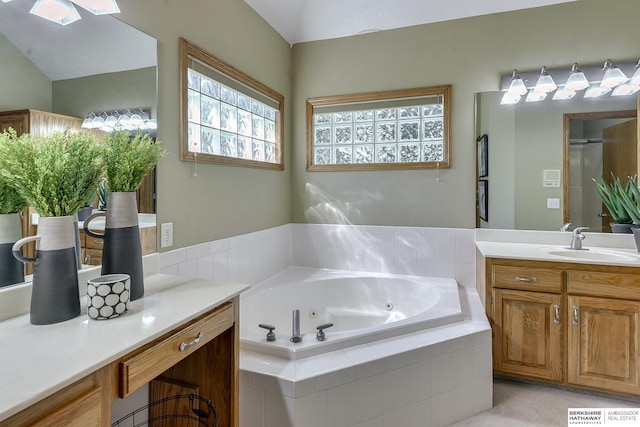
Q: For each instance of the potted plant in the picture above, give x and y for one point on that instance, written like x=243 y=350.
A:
x=11 y=204
x=128 y=161
x=55 y=175
x=611 y=195
x=630 y=198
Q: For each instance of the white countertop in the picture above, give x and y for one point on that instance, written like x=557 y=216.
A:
x=37 y=361
x=545 y=252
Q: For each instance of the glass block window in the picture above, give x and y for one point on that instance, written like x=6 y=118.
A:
x=227 y=116
x=383 y=130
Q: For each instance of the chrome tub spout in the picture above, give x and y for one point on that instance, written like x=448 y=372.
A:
x=295 y=330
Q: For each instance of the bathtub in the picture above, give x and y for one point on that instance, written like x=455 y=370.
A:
x=364 y=307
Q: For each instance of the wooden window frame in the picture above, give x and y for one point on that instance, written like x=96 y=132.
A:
x=190 y=52
x=392 y=95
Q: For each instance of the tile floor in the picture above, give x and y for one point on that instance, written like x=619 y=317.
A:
x=519 y=404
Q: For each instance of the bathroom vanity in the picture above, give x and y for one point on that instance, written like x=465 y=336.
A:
x=69 y=374
x=570 y=318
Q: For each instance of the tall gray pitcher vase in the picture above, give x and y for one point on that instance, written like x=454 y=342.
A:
x=55 y=295
x=121 y=251
x=11 y=270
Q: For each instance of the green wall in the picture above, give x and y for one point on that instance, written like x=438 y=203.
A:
x=109 y=91
x=219 y=201
x=470 y=54
x=22 y=84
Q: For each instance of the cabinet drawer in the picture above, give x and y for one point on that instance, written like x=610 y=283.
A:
x=93 y=243
x=611 y=285
x=151 y=362
x=526 y=278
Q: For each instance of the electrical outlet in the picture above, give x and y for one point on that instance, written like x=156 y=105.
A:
x=166 y=234
x=553 y=203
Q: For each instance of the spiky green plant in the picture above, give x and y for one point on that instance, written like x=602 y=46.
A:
x=630 y=198
x=129 y=159
x=611 y=195
x=10 y=200
x=55 y=174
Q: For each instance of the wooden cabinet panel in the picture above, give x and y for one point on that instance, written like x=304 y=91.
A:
x=528 y=333
x=527 y=278
x=609 y=285
x=81 y=412
x=152 y=361
x=603 y=343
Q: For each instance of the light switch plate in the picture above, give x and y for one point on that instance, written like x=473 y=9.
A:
x=553 y=203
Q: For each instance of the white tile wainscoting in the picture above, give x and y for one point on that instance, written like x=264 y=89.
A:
x=253 y=257
x=428 y=378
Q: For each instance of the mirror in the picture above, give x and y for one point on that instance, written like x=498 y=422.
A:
x=95 y=64
x=526 y=172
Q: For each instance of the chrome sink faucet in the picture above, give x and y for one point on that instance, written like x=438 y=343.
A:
x=577 y=238
x=295 y=327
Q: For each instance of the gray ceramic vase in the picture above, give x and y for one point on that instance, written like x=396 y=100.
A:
x=121 y=251
x=11 y=270
x=55 y=295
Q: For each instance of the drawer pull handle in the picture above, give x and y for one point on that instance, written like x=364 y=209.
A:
x=195 y=341
x=527 y=279
x=575 y=316
x=557 y=309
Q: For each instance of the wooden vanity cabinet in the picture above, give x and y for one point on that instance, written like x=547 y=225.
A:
x=204 y=352
x=572 y=324
x=603 y=335
x=526 y=303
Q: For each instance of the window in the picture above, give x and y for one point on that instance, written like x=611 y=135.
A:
x=401 y=129
x=227 y=117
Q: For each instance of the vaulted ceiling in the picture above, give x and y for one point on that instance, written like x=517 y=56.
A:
x=308 y=20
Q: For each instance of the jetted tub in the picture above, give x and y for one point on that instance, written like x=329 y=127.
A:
x=363 y=307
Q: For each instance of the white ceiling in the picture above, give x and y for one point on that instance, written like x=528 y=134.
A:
x=92 y=45
x=308 y=20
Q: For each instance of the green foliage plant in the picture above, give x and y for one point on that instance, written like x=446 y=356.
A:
x=129 y=159
x=611 y=195
x=630 y=198
x=54 y=174
x=10 y=200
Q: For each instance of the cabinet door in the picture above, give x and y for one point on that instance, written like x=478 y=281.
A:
x=603 y=344
x=528 y=334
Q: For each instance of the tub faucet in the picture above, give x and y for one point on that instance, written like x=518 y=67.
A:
x=295 y=330
x=320 y=335
x=577 y=238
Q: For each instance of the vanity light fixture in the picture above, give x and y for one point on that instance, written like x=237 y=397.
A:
x=509 y=98
x=535 y=96
x=123 y=120
x=564 y=94
x=517 y=87
x=545 y=82
x=635 y=79
x=99 y=7
x=577 y=80
x=625 y=89
x=59 y=11
x=63 y=12
x=596 y=91
x=613 y=76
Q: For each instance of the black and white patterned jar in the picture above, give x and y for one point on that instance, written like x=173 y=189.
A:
x=108 y=296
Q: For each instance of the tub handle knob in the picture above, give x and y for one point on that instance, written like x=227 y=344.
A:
x=320 y=336
x=271 y=336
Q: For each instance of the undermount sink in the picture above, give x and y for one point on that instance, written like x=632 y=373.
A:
x=594 y=254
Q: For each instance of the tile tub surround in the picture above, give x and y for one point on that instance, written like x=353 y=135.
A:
x=253 y=257
x=429 y=378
